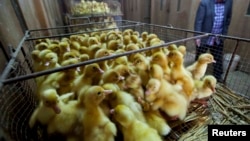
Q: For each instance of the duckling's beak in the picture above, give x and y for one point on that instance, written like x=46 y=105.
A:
x=56 y=109
x=107 y=92
x=111 y=111
x=47 y=64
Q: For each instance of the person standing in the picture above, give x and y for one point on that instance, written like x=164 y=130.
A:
x=213 y=16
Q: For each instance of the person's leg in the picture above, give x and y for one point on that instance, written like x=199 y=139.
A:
x=217 y=52
x=200 y=50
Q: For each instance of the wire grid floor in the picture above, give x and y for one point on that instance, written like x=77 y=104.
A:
x=18 y=90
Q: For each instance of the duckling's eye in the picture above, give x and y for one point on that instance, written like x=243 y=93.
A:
x=99 y=93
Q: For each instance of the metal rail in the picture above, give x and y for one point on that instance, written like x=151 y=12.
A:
x=37 y=74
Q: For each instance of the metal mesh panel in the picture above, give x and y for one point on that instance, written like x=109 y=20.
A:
x=18 y=88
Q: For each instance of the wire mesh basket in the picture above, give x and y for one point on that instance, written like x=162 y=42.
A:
x=18 y=86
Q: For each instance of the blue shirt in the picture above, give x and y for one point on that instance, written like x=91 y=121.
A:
x=219 y=9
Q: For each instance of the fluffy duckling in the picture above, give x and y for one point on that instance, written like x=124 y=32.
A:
x=135 y=39
x=156 y=71
x=127 y=32
x=149 y=38
x=37 y=62
x=132 y=128
x=47 y=109
x=144 y=36
x=119 y=96
x=75 y=45
x=204 y=88
x=96 y=125
x=198 y=68
x=154 y=118
x=125 y=71
x=133 y=85
x=182 y=49
x=65 y=78
x=141 y=64
x=111 y=76
x=103 y=37
x=70 y=54
x=162 y=95
x=114 y=45
x=179 y=75
x=82 y=58
x=64 y=46
x=161 y=59
x=102 y=53
x=51 y=61
x=93 y=49
x=136 y=33
x=93 y=41
x=87 y=78
x=83 y=50
x=83 y=40
x=69 y=122
x=131 y=47
x=55 y=48
x=42 y=46
x=126 y=40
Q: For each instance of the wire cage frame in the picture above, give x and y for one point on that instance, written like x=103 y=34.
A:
x=18 y=85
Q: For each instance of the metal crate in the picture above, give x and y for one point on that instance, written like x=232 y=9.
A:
x=18 y=86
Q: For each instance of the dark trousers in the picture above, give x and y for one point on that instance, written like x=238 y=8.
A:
x=217 y=52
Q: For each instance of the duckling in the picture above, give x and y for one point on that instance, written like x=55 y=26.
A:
x=131 y=47
x=70 y=54
x=64 y=46
x=204 y=89
x=126 y=40
x=83 y=40
x=86 y=79
x=75 y=45
x=93 y=41
x=141 y=64
x=156 y=71
x=102 y=53
x=37 y=62
x=96 y=125
x=111 y=76
x=162 y=95
x=82 y=58
x=83 y=50
x=51 y=61
x=125 y=71
x=114 y=45
x=69 y=122
x=135 y=39
x=103 y=37
x=161 y=59
x=42 y=46
x=47 y=109
x=55 y=48
x=93 y=49
x=182 y=49
x=198 y=68
x=65 y=78
x=136 y=33
x=119 y=96
x=144 y=36
x=179 y=75
x=154 y=118
x=127 y=32
x=132 y=128
x=133 y=85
